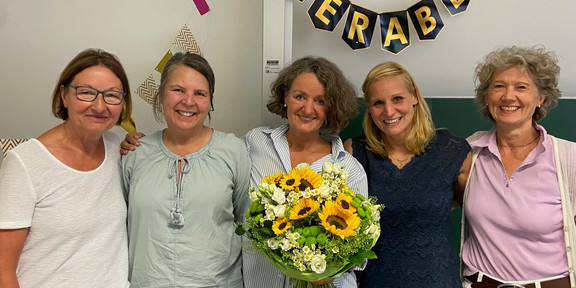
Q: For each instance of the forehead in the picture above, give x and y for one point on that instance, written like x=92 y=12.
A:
x=512 y=73
x=184 y=75
x=388 y=86
x=309 y=84
x=98 y=74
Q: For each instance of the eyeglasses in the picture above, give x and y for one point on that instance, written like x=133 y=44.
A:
x=89 y=94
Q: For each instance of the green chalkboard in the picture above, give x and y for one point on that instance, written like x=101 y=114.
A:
x=461 y=118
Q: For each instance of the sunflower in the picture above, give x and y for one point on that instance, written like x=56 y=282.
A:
x=345 y=202
x=291 y=181
x=337 y=221
x=281 y=225
x=309 y=179
x=303 y=208
x=273 y=179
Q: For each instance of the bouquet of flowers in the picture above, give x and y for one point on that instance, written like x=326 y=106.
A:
x=312 y=226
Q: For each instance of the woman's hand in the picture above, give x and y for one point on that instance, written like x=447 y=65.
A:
x=323 y=282
x=460 y=185
x=130 y=142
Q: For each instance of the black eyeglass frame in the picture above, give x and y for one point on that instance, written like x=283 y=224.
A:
x=98 y=92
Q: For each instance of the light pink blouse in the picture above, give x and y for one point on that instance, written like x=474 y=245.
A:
x=515 y=223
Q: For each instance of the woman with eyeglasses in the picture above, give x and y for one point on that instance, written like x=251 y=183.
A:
x=62 y=212
x=186 y=185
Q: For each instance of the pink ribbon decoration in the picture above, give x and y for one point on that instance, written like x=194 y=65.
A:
x=202 y=6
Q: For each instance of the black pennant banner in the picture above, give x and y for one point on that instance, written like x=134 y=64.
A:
x=394 y=29
x=359 y=27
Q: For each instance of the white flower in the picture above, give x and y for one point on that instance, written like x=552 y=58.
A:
x=327 y=167
x=376 y=212
x=372 y=231
x=335 y=249
x=344 y=174
x=318 y=264
x=264 y=200
x=302 y=165
x=336 y=168
x=324 y=190
x=285 y=244
x=279 y=196
x=254 y=196
x=273 y=243
x=279 y=211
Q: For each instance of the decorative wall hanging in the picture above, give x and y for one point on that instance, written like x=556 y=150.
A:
x=183 y=42
x=394 y=30
x=7 y=144
x=202 y=6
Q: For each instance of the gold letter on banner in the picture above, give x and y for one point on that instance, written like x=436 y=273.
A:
x=426 y=19
x=318 y=9
x=359 y=27
x=456 y=6
x=394 y=31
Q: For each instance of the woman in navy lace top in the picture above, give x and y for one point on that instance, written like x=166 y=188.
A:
x=413 y=169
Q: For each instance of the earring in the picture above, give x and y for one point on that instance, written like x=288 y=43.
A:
x=285 y=105
x=540 y=106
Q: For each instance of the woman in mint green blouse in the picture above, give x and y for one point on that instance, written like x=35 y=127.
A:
x=185 y=185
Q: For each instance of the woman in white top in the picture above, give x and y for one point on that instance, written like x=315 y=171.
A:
x=62 y=212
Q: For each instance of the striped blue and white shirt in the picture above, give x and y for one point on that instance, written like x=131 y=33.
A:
x=269 y=153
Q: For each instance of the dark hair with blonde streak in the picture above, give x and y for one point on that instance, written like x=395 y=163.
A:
x=190 y=60
x=422 y=129
x=86 y=59
x=340 y=97
x=540 y=64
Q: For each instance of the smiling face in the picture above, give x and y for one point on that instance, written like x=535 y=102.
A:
x=512 y=98
x=391 y=107
x=95 y=116
x=186 y=100
x=305 y=104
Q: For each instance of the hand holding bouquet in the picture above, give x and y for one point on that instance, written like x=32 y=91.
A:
x=312 y=226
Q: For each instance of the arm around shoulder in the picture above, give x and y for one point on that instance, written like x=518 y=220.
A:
x=460 y=184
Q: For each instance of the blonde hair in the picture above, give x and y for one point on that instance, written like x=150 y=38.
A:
x=422 y=129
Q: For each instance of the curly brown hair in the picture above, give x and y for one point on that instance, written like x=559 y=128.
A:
x=540 y=64
x=341 y=102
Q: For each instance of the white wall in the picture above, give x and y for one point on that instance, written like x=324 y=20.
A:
x=38 y=39
x=444 y=67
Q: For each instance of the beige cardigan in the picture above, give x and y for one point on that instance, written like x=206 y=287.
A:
x=565 y=156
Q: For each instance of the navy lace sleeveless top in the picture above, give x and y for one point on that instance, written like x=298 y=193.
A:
x=414 y=248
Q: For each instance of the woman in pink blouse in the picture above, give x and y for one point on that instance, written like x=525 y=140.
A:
x=519 y=199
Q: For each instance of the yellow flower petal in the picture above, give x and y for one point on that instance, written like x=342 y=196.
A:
x=303 y=208
x=338 y=221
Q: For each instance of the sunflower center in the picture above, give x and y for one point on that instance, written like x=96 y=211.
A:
x=282 y=226
x=304 y=184
x=304 y=210
x=337 y=222
x=290 y=182
x=344 y=204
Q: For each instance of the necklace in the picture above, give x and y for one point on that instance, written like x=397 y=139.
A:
x=403 y=162
x=524 y=145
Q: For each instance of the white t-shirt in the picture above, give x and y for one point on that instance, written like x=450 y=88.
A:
x=77 y=219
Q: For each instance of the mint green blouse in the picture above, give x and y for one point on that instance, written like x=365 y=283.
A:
x=181 y=226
